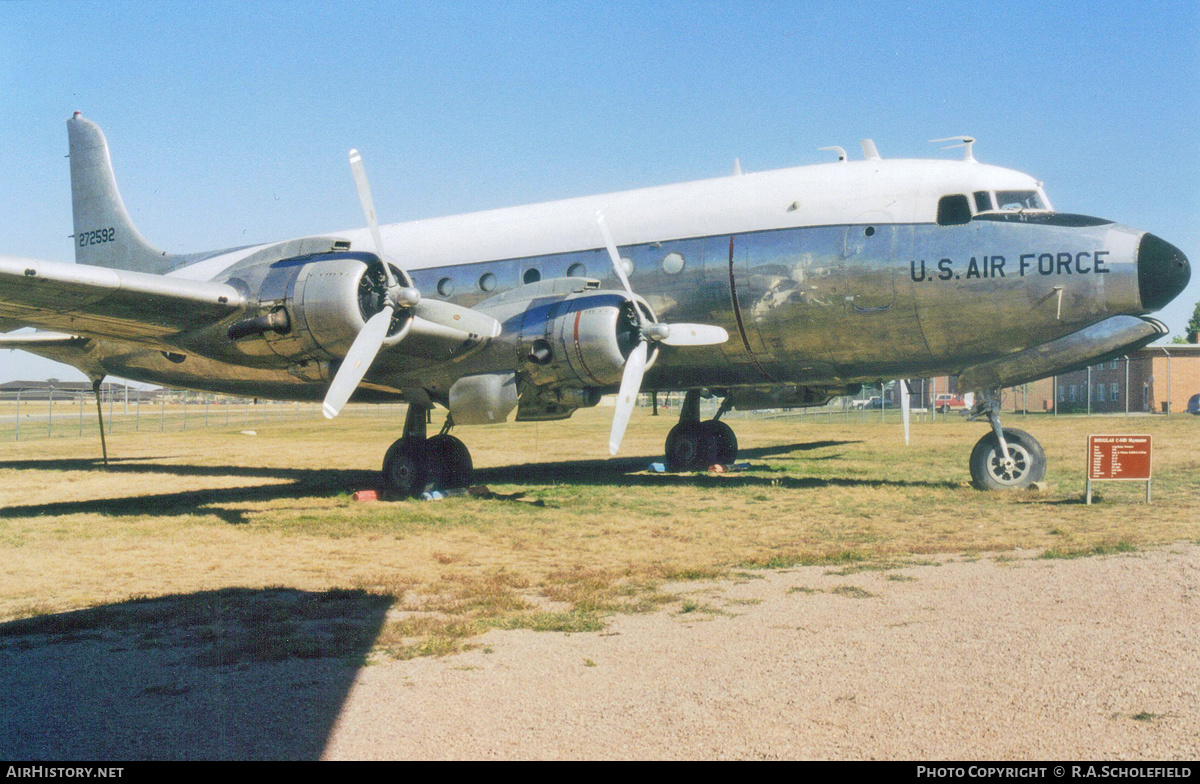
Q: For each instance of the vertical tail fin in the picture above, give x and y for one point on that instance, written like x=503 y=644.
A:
x=104 y=234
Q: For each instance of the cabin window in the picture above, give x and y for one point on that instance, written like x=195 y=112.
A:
x=487 y=282
x=953 y=210
x=1019 y=200
x=577 y=270
x=983 y=201
x=445 y=287
x=531 y=276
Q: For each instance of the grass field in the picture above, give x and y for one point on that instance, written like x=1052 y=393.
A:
x=213 y=512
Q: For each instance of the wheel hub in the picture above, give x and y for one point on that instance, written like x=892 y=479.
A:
x=1012 y=470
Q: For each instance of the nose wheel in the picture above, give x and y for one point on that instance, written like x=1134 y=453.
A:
x=1025 y=464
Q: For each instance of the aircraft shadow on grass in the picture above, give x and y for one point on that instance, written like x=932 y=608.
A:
x=236 y=673
x=301 y=482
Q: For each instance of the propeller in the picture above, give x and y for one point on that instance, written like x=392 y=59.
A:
x=370 y=338
x=635 y=364
x=905 y=406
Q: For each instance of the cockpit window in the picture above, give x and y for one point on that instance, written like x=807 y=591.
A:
x=983 y=201
x=1019 y=200
x=953 y=210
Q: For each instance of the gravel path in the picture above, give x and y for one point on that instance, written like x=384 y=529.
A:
x=996 y=658
x=1014 y=657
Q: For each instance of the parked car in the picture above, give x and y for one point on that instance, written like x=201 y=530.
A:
x=1194 y=404
x=873 y=402
x=946 y=401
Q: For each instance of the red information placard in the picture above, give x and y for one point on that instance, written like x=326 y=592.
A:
x=1119 y=457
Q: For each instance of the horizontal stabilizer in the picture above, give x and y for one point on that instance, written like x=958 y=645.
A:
x=29 y=341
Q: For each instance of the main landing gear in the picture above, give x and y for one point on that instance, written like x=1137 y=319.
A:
x=693 y=445
x=1004 y=459
x=415 y=462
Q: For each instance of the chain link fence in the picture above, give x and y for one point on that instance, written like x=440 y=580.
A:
x=46 y=412
x=38 y=412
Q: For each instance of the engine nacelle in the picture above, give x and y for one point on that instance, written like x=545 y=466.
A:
x=582 y=340
x=313 y=307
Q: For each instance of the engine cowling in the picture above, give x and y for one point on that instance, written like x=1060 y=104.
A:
x=581 y=341
x=313 y=307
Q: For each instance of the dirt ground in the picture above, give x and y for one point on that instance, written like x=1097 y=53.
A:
x=1007 y=657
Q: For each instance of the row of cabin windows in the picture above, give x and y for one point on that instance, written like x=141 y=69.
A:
x=673 y=263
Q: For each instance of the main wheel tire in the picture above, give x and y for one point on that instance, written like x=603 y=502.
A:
x=720 y=443
x=405 y=467
x=684 y=447
x=988 y=471
x=448 y=461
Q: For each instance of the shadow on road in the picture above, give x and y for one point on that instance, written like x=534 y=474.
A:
x=229 y=674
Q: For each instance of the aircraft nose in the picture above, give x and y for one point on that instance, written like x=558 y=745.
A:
x=1163 y=271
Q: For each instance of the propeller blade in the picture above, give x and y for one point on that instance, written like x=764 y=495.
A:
x=631 y=384
x=447 y=314
x=364 y=197
x=614 y=255
x=694 y=335
x=905 y=405
x=357 y=362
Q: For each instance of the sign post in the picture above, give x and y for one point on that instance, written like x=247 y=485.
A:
x=1116 y=458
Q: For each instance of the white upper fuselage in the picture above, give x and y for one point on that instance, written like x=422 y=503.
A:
x=870 y=191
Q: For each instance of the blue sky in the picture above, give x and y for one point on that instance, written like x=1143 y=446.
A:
x=229 y=122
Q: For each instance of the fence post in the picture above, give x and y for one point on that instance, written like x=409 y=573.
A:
x=1168 y=353
x=1089 y=383
x=1126 y=385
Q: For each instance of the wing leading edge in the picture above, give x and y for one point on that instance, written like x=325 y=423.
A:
x=100 y=302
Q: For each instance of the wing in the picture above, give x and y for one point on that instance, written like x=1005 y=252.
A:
x=99 y=302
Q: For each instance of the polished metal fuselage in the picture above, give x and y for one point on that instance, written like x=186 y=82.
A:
x=816 y=305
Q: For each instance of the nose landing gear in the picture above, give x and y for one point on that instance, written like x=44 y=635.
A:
x=414 y=462
x=694 y=445
x=1004 y=459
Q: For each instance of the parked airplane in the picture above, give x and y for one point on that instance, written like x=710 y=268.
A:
x=778 y=288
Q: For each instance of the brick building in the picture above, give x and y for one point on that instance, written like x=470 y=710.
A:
x=1145 y=381
x=1142 y=382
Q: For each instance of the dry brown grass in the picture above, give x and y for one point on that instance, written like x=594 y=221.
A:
x=185 y=513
